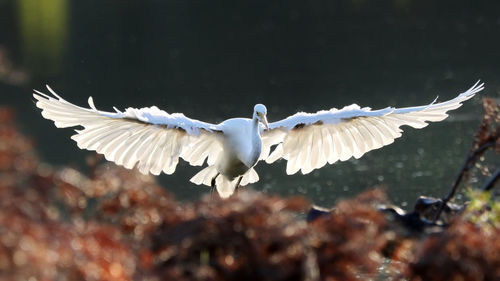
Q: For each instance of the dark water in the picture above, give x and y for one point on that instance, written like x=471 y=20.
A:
x=214 y=60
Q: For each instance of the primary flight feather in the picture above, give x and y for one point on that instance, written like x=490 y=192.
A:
x=153 y=140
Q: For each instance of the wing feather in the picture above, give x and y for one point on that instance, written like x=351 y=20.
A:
x=165 y=153
x=305 y=154
x=310 y=140
x=389 y=131
x=130 y=159
x=295 y=149
x=124 y=149
x=346 y=141
x=321 y=149
x=113 y=146
x=359 y=143
x=200 y=152
x=91 y=133
x=156 y=158
x=370 y=141
x=371 y=132
x=249 y=177
x=149 y=157
x=337 y=146
x=101 y=141
x=327 y=144
x=276 y=154
x=138 y=148
x=150 y=138
x=145 y=150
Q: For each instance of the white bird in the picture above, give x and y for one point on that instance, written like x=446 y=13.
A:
x=153 y=140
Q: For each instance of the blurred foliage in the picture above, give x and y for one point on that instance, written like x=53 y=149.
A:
x=44 y=31
x=487 y=136
x=483 y=209
x=479 y=160
x=466 y=251
x=116 y=224
x=10 y=73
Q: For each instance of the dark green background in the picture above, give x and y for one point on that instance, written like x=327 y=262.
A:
x=214 y=60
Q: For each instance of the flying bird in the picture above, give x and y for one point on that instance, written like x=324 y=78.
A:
x=153 y=140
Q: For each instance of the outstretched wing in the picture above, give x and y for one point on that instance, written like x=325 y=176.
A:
x=148 y=137
x=309 y=141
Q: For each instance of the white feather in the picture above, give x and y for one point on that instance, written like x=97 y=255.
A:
x=154 y=140
x=349 y=132
x=148 y=137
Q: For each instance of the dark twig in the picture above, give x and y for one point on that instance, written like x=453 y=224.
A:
x=469 y=163
x=490 y=184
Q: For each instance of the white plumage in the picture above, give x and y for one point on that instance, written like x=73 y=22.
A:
x=153 y=140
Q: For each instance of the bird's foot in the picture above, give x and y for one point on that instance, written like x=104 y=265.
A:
x=238 y=184
x=212 y=187
x=212 y=183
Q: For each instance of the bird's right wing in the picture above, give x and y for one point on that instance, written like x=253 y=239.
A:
x=310 y=140
x=149 y=137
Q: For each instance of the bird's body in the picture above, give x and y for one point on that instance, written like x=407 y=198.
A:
x=153 y=140
x=241 y=148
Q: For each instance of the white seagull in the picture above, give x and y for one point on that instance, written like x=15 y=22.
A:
x=153 y=140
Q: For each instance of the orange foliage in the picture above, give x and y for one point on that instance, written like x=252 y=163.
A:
x=59 y=224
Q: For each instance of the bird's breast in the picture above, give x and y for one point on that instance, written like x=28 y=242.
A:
x=241 y=145
x=245 y=150
x=254 y=155
x=232 y=167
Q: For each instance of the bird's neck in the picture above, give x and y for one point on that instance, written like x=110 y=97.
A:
x=256 y=143
x=255 y=127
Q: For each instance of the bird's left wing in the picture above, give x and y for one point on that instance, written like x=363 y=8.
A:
x=309 y=141
x=148 y=137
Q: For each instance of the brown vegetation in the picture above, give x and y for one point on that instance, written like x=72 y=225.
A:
x=59 y=224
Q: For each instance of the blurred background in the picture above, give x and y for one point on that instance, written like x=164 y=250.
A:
x=213 y=60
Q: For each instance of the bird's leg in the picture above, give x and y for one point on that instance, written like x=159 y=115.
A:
x=238 y=184
x=212 y=186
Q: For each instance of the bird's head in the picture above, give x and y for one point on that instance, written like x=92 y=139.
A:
x=259 y=113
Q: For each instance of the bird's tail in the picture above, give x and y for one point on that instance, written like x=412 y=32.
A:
x=225 y=186
x=204 y=176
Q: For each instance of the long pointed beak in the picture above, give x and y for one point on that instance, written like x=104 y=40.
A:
x=264 y=121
